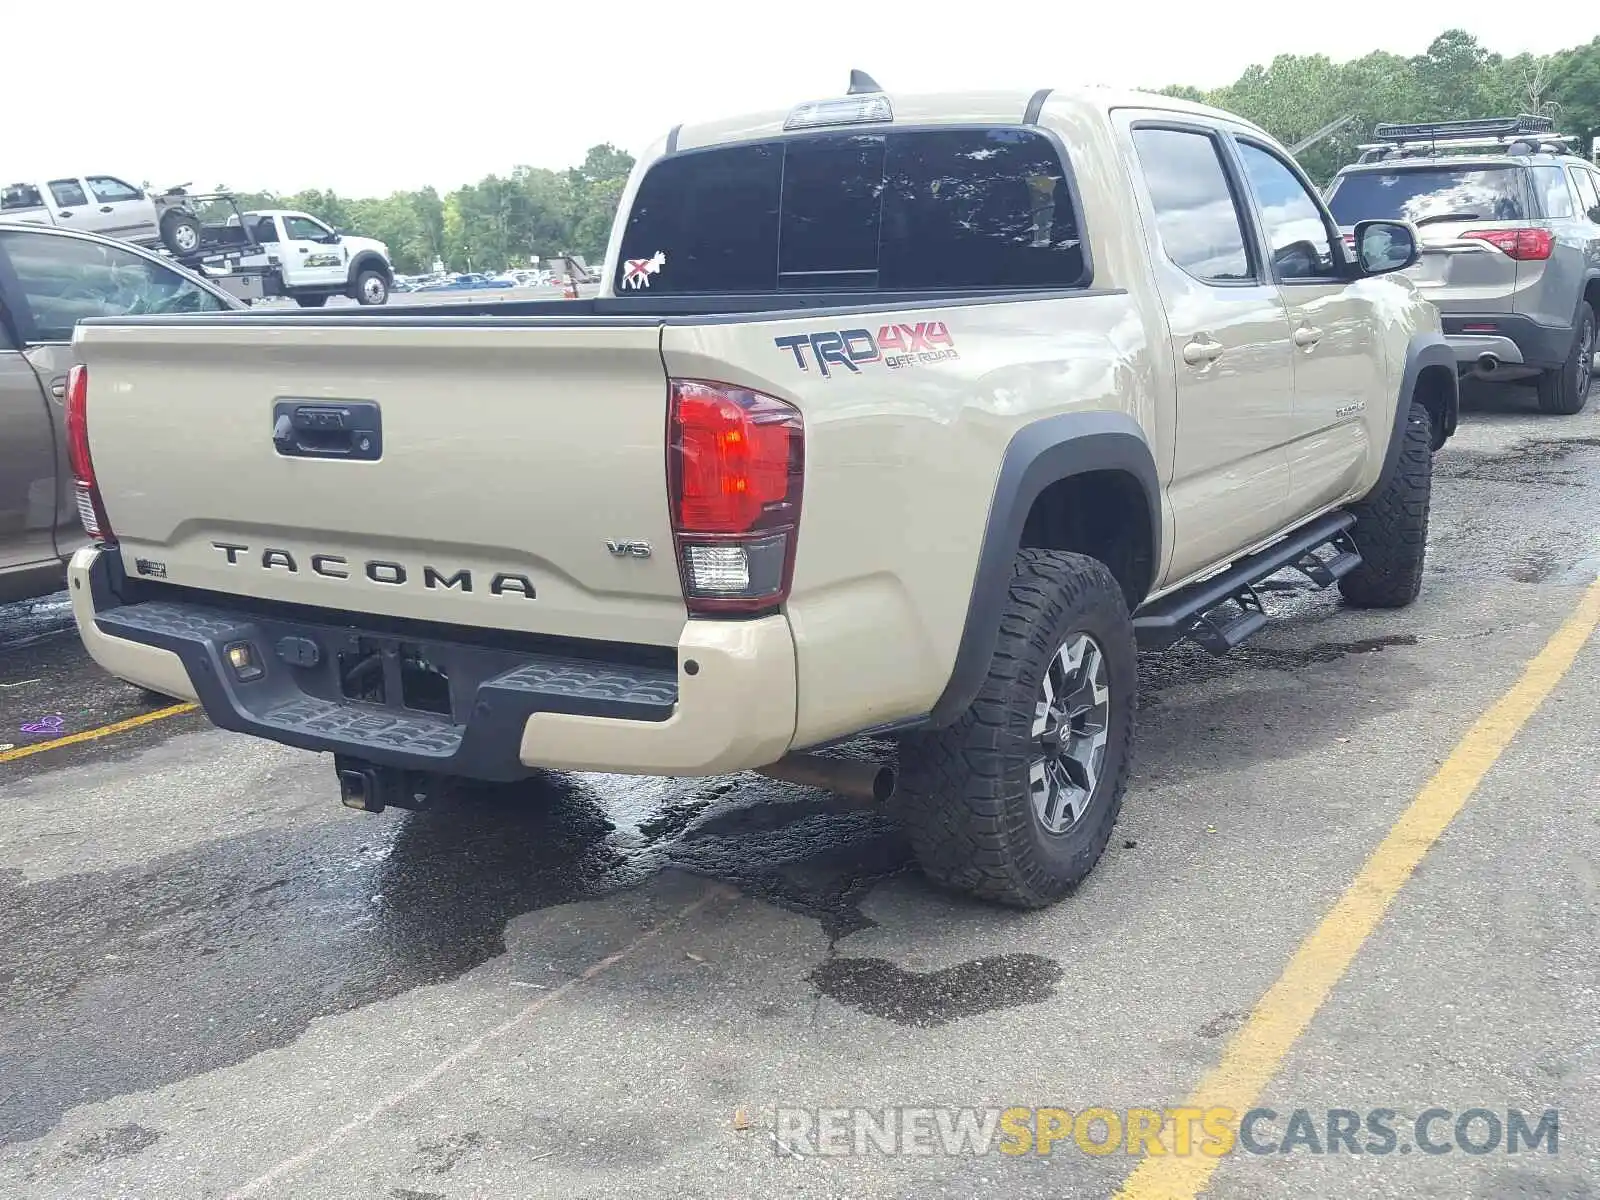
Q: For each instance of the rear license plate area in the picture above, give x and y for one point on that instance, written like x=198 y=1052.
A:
x=394 y=674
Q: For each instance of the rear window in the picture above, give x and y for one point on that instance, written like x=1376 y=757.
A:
x=20 y=195
x=1416 y=193
x=899 y=211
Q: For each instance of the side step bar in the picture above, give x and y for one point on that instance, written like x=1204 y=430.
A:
x=1200 y=611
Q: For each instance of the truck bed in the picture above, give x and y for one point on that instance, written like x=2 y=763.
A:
x=612 y=310
x=476 y=465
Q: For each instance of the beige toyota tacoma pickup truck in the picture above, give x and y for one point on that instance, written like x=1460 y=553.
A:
x=902 y=416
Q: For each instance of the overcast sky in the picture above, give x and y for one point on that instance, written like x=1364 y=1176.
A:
x=365 y=97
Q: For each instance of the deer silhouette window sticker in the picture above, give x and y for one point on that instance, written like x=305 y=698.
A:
x=636 y=272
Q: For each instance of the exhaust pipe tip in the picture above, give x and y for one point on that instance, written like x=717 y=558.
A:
x=845 y=776
x=1488 y=363
x=884 y=781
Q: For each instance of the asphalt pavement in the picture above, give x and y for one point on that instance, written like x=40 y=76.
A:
x=216 y=982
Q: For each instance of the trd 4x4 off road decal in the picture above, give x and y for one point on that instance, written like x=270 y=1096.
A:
x=894 y=346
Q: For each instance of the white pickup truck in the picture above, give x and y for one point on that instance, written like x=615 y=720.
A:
x=313 y=261
x=105 y=205
x=897 y=417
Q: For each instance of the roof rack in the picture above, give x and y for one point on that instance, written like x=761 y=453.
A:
x=1523 y=134
x=1442 y=131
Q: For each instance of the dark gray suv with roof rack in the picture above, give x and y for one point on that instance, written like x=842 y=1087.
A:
x=1509 y=223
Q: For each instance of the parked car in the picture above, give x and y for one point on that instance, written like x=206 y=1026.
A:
x=1058 y=374
x=470 y=282
x=1509 y=218
x=49 y=280
x=107 y=205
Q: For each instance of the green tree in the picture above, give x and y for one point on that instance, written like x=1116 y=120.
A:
x=1575 y=89
x=1456 y=78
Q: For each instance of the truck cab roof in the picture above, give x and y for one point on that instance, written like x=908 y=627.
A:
x=994 y=107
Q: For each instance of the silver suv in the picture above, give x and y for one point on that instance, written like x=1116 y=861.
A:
x=1509 y=218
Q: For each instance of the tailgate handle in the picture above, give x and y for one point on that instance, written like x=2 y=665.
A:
x=346 y=429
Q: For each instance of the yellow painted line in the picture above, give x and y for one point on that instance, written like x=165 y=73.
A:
x=1256 y=1051
x=89 y=735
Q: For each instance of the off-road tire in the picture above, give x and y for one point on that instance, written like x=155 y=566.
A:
x=1565 y=390
x=1391 y=530
x=964 y=792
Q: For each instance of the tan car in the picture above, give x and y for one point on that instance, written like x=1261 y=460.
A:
x=903 y=416
x=49 y=279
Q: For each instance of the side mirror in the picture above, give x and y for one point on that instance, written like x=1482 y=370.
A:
x=1594 y=214
x=1383 y=247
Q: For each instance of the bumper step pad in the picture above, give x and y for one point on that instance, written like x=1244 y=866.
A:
x=493 y=691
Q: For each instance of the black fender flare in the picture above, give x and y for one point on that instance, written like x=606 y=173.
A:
x=369 y=260
x=1039 y=454
x=1423 y=351
x=1590 y=278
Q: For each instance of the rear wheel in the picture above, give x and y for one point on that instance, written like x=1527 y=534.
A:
x=180 y=231
x=1016 y=800
x=316 y=301
x=1565 y=390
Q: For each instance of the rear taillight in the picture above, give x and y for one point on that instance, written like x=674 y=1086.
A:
x=1520 y=244
x=735 y=465
x=91 y=509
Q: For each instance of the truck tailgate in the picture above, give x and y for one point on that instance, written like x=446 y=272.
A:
x=510 y=455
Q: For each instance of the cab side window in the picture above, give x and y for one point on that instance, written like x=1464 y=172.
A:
x=1197 y=219
x=1583 y=182
x=109 y=191
x=1297 y=233
x=303 y=229
x=1550 y=183
x=68 y=193
x=62 y=280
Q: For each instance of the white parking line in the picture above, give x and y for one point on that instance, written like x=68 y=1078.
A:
x=531 y=1009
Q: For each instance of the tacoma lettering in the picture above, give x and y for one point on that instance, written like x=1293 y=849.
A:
x=437 y=579
x=501 y=584
x=385 y=571
x=318 y=562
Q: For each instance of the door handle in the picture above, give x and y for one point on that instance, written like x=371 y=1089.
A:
x=105 y=208
x=58 y=387
x=305 y=250
x=350 y=430
x=1201 y=351
x=1307 y=336
x=66 y=214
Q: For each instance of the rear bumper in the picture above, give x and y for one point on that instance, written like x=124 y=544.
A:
x=1515 y=340
x=726 y=702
